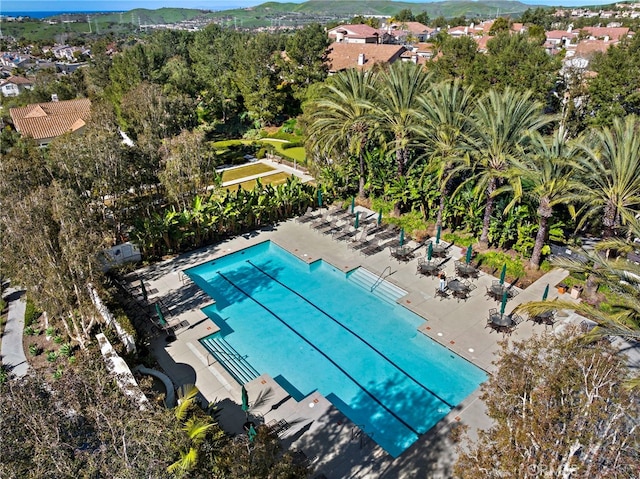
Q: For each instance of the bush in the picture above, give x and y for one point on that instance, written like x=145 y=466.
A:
x=34 y=350
x=29 y=331
x=65 y=350
x=3 y=304
x=52 y=356
x=31 y=313
x=292 y=144
x=495 y=260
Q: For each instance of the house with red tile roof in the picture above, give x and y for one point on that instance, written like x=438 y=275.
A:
x=45 y=121
x=606 y=33
x=358 y=33
x=14 y=85
x=363 y=56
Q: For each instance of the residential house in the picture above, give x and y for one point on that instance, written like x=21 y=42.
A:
x=363 y=56
x=604 y=33
x=14 y=85
x=359 y=33
x=45 y=121
x=415 y=30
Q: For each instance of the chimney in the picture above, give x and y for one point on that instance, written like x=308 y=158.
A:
x=360 y=59
x=54 y=97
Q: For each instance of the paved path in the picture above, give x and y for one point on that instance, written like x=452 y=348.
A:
x=12 y=350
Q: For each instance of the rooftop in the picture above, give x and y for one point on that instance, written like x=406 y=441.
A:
x=48 y=120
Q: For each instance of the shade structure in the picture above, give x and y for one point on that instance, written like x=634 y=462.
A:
x=379 y=217
x=143 y=290
x=503 y=273
x=160 y=315
x=438 y=232
x=469 y=253
x=401 y=236
x=357 y=221
x=503 y=304
x=319 y=197
x=545 y=293
x=353 y=204
x=245 y=399
x=429 y=251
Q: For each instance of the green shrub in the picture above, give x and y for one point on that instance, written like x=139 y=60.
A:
x=50 y=331
x=292 y=144
x=58 y=339
x=459 y=239
x=65 y=350
x=58 y=373
x=34 y=350
x=495 y=260
x=3 y=304
x=125 y=322
x=29 y=331
x=52 y=356
x=31 y=313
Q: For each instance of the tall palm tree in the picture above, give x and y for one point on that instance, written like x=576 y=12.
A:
x=444 y=114
x=341 y=118
x=395 y=108
x=546 y=175
x=611 y=180
x=500 y=126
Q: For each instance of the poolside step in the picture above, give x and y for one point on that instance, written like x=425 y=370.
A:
x=227 y=356
x=380 y=287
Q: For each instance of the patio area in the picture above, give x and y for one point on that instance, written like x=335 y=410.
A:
x=332 y=444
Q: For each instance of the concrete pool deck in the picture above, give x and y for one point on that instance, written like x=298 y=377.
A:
x=334 y=446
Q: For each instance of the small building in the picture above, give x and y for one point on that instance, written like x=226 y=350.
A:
x=358 y=33
x=45 y=121
x=14 y=85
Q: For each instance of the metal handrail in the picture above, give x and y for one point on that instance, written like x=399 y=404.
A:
x=380 y=278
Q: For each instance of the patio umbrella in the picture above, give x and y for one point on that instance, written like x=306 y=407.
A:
x=503 y=273
x=320 y=197
x=252 y=433
x=379 y=217
x=144 y=290
x=401 y=236
x=245 y=399
x=469 y=253
x=503 y=305
x=160 y=315
x=357 y=222
x=429 y=251
x=546 y=293
x=438 y=234
x=353 y=204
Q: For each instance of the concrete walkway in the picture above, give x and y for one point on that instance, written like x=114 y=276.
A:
x=12 y=351
x=333 y=444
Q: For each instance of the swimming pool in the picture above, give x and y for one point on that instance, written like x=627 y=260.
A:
x=311 y=328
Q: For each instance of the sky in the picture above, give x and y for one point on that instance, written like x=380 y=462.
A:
x=124 y=5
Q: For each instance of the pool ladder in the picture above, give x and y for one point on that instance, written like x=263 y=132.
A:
x=358 y=432
x=381 y=278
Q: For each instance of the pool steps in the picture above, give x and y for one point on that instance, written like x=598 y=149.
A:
x=377 y=286
x=233 y=362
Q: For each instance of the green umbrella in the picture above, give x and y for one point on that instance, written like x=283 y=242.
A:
x=160 y=315
x=401 y=236
x=546 y=293
x=245 y=399
x=252 y=433
x=379 y=217
x=353 y=204
x=469 y=253
x=438 y=232
x=430 y=251
x=320 y=198
x=144 y=290
x=503 y=305
x=357 y=222
x=503 y=273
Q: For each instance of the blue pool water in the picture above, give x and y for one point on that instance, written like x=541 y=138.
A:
x=312 y=329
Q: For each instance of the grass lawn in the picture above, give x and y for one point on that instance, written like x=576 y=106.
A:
x=243 y=171
x=297 y=153
x=275 y=179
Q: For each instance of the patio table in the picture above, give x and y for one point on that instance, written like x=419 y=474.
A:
x=439 y=250
x=466 y=270
x=497 y=290
x=502 y=320
x=429 y=268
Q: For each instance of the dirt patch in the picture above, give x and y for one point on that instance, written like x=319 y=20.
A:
x=271 y=129
x=45 y=353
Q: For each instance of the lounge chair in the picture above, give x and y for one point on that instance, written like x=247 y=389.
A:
x=309 y=215
x=372 y=249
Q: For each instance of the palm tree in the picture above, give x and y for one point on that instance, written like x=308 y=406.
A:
x=547 y=176
x=395 y=108
x=611 y=180
x=500 y=126
x=444 y=115
x=341 y=118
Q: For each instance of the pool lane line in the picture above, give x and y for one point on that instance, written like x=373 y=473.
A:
x=389 y=360
x=317 y=349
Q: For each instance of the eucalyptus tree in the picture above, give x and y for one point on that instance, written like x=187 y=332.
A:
x=610 y=187
x=444 y=116
x=546 y=174
x=395 y=108
x=501 y=125
x=342 y=119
